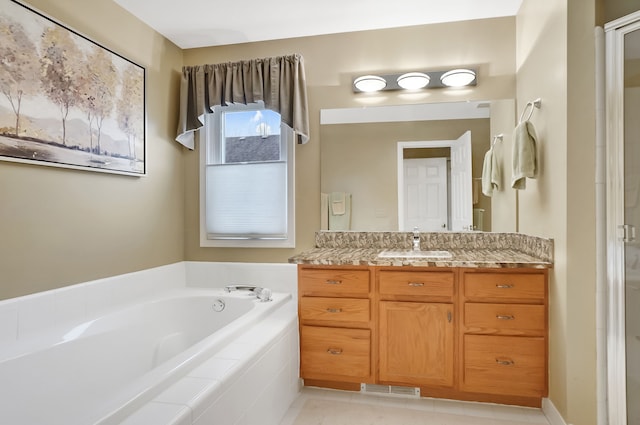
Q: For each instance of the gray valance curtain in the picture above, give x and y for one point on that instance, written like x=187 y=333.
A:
x=279 y=82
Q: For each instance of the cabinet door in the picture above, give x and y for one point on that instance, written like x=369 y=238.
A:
x=416 y=343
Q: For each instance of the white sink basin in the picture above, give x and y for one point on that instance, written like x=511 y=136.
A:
x=408 y=253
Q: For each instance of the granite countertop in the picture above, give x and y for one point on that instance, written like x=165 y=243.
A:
x=489 y=258
x=468 y=249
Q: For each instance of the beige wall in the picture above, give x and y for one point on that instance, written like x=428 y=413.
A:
x=609 y=10
x=362 y=159
x=504 y=202
x=331 y=62
x=555 y=61
x=59 y=226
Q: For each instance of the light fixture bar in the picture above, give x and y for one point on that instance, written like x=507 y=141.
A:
x=413 y=80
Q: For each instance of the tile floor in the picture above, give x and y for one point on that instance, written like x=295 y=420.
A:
x=316 y=406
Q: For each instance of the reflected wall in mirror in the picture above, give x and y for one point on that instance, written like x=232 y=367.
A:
x=364 y=159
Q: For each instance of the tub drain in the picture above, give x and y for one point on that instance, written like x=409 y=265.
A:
x=218 y=305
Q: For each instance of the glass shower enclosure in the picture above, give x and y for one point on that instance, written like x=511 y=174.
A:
x=623 y=219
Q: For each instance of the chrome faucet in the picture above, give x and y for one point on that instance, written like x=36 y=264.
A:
x=263 y=294
x=416 y=239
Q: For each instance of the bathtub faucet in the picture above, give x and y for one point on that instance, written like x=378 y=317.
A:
x=263 y=294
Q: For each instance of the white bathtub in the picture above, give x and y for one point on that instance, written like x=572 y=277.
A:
x=134 y=363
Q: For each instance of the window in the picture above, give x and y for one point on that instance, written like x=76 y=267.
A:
x=246 y=179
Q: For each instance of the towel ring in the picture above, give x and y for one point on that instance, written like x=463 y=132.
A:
x=529 y=107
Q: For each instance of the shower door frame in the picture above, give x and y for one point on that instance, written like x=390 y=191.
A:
x=615 y=33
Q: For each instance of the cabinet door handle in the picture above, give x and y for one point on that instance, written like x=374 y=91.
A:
x=334 y=310
x=416 y=284
x=334 y=351
x=505 y=317
x=505 y=362
x=449 y=316
x=504 y=286
x=333 y=281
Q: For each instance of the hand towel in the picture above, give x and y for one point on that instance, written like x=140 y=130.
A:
x=525 y=164
x=342 y=220
x=337 y=203
x=491 y=175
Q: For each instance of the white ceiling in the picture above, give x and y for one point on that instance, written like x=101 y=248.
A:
x=199 y=23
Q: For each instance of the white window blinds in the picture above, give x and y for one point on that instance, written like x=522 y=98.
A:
x=247 y=201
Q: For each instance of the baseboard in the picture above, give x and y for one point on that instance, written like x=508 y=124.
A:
x=552 y=414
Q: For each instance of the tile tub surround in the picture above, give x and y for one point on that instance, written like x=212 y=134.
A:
x=468 y=249
x=253 y=380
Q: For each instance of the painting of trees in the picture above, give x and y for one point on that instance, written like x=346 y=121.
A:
x=97 y=86
x=67 y=101
x=130 y=119
x=19 y=68
x=60 y=74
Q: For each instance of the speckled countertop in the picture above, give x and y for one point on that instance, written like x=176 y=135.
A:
x=468 y=249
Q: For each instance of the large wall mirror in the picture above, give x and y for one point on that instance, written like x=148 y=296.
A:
x=401 y=166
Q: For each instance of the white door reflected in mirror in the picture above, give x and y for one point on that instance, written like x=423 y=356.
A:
x=461 y=182
x=424 y=185
x=425 y=194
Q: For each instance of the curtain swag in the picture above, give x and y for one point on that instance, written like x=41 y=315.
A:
x=279 y=82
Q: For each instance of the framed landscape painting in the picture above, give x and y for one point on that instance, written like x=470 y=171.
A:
x=65 y=100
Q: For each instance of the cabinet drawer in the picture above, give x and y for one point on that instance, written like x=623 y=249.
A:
x=504 y=365
x=334 y=281
x=516 y=318
x=326 y=353
x=507 y=286
x=334 y=309
x=434 y=284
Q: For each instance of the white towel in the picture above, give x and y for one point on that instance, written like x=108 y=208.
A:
x=339 y=211
x=491 y=175
x=525 y=164
x=337 y=203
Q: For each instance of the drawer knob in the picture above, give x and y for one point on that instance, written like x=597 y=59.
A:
x=504 y=286
x=416 y=284
x=334 y=310
x=505 y=362
x=333 y=281
x=334 y=351
x=505 y=317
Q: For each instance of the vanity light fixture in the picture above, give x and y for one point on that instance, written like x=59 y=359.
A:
x=415 y=80
x=369 y=83
x=458 y=77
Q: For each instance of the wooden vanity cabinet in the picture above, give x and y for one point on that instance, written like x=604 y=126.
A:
x=462 y=333
x=336 y=326
x=503 y=338
x=416 y=326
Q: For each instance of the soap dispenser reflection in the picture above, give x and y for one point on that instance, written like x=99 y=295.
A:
x=416 y=239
